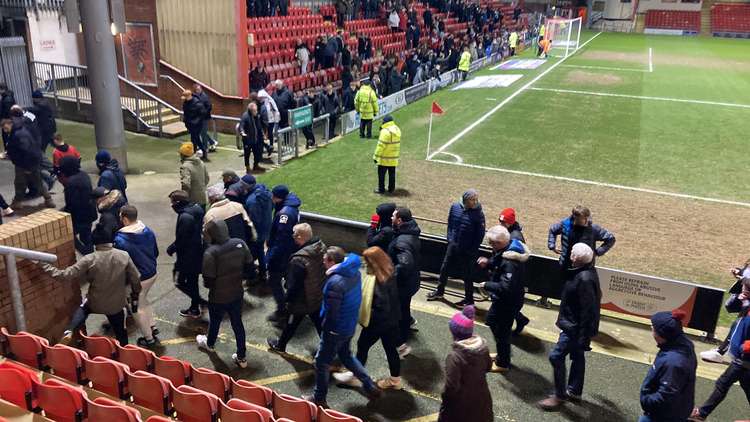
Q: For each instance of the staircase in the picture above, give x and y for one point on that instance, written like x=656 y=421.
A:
x=706 y=17
x=640 y=22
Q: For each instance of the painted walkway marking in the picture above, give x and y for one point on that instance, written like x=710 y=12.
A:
x=642 y=97
x=650 y=60
x=504 y=102
x=619 y=69
x=284 y=378
x=594 y=183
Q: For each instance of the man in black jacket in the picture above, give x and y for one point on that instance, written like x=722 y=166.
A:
x=578 y=320
x=251 y=131
x=7 y=100
x=507 y=219
x=193 y=115
x=25 y=154
x=347 y=96
x=224 y=265
x=329 y=103
x=45 y=118
x=304 y=281
x=188 y=245
x=79 y=203
x=208 y=141
x=404 y=251
x=380 y=232
x=308 y=99
x=284 y=102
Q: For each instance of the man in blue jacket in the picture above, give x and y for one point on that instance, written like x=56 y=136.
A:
x=668 y=390
x=738 y=370
x=259 y=206
x=466 y=226
x=281 y=243
x=140 y=243
x=110 y=175
x=342 y=296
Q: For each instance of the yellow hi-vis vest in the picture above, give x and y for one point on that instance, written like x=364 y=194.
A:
x=389 y=145
x=465 y=62
x=366 y=102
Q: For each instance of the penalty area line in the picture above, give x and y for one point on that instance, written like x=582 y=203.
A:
x=618 y=69
x=506 y=101
x=594 y=183
x=641 y=97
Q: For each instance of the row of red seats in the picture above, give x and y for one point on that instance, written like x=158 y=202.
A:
x=328 y=10
x=282 y=21
x=314 y=80
x=162 y=384
x=360 y=24
x=673 y=19
x=293 y=31
x=730 y=17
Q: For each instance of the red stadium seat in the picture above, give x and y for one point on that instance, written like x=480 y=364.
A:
x=328 y=415
x=26 y=348
x=252 y=393
x=150 y=391
x=265 y=413
x=239 y=411
x=99 y=346
x=60 y=402
x=175 y=370
x=104 y=409
x=108 y=376
x=193 y=405
x=212 y=382
x=66 y=362
x=16 y=387
x=158 y=419
x=136 y=358
x=296 y=409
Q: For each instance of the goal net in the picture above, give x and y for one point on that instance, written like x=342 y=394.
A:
x=564 y=35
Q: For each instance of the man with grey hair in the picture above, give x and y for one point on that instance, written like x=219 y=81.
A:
x=578 y=320
x=284 y=102
x=232 y=213
x=304 y=280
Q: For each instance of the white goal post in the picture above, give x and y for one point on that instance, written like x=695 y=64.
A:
x=564 y=35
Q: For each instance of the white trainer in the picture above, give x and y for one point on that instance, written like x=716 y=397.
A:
x=713 y=355
x=242 y=363
x=203 y=343
x=404 y=350
x=347 y=378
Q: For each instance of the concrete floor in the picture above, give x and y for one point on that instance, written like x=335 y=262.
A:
x=615 y=368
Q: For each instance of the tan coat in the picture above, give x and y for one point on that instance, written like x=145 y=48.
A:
x=194 y=179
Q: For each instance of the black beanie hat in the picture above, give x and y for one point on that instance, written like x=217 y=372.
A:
x=101 y=235
x=668 y=325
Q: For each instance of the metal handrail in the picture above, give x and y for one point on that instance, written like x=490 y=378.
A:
x=171 y=79
x=14 y=285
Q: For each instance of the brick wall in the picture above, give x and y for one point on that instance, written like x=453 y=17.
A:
x=48 y=303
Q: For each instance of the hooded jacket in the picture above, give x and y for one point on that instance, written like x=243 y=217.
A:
x=579 y=303
x=466 y=227
x=111 y=177
x=140 y=243
x=270 y=111
x=78 y=201
x=305 y=278
x=58 y=154
x=235 y=217
x=109 y=272
x=109 y=211
x=237 y=192
x=668 y=391
x=193 y=113
x=508 y=272
x=259 y=206
x=194 y=179
x=45 y=118
x=188 y=243
x=404 y=251
x=342 y=295
x=516 y=232
x=280 y=241
x=740 y=335
x=224 y=264
x=382 y=235
x=386 y=311
x=466 y=396
x=571 y=234
x=7 y=101
x=22 y=147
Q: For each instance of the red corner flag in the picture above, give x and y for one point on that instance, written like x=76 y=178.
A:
x=436 y=109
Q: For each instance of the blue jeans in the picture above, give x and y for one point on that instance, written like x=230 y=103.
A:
x=256 y=248
x=567 y=345
x=216 y=313
x=645 y=418
x=332 y=345
x=205 y=137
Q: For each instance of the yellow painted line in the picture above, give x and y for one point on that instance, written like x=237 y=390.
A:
x=286 y=377
x=423 y=394
x=264 y=348
x=429 y=418
x=177 y=340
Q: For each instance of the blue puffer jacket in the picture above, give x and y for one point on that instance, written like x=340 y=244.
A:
x=342 y=295
x=280 y=242
x=570 y=235
x=140 y=243
x=259 y=207
x=668 y=390
x=111 y=177
x=466 y=227
x=740 y=335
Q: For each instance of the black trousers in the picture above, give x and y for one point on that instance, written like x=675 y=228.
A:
x=404 y=325
x=256 y=149
x=309 y=135
x=500 y=320
x=197 y=140
x=461 y=263
x=293 y=323
x=734 y=372
x=391 y=178
x=188 y=283
x=332 y=126
x=365 y=124
x=116 y=320
x=82 y=238
x=389 y=338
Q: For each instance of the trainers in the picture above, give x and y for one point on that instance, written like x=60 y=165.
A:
x=242 y=363
x=347 y=378
x=8 y=212
x=521 y=323
x=713 y=356
x=462 y=304
x=498 y=369
x=274 y=346
x=436 y=295
x=67 y=338
x=696 y=416
x=404 y=350
x=543 y=302
x=154 y=331
x=413 y=324
x=144 y=342
x=392 y=383
x=190 y=313
x=573 y=396
x=311 y=399
x=203 y=343
x=551 y=403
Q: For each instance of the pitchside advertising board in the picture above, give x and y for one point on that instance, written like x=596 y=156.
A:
x=386 y=105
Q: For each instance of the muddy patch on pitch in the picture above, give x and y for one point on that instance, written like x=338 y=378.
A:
x=580 y=77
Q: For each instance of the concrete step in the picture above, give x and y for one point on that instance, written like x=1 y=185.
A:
x=172 y=130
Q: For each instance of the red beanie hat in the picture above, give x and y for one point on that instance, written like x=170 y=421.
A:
x=508 y=216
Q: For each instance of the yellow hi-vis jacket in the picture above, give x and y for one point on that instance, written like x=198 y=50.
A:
x=465 y=62
x=513 y=39
x=366 y=103
x=389 y=145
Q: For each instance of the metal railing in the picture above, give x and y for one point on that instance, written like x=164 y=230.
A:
x=13 y=281
x=54 y=5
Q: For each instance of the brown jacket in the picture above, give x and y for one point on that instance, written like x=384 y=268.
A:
x=466 y=396
x=108 y=271
x=194 y=179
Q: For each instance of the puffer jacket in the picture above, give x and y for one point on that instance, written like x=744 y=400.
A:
x=382 y=234
x=280 y=241
x=508 y=271
x=386 y=311
x=581 y=296
x=235 y=217
x=305 y=278
x=193 y=113
x=466 y=227
x=78 y=201
x=259 y=206
x=571 y=234
x=109 y=211
x=224 y=263
x=109 y=272
x=342 y=296
x=194 y=179
x=22 y=147
x=140 y=243
x=188 y=243
x=404 y=251
x=668 y=391
x=111 y=177
x=466 y=396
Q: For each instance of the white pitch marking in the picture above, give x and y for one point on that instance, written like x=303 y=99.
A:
x=590 y=182
x=505 y=101
x=622 y=69
x=650 y=60
x=491 y=99
x=641 y=97
x=457 y=157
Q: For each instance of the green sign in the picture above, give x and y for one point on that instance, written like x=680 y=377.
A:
x=301 y=117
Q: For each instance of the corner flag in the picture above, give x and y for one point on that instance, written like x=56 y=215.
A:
x=436 y=109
